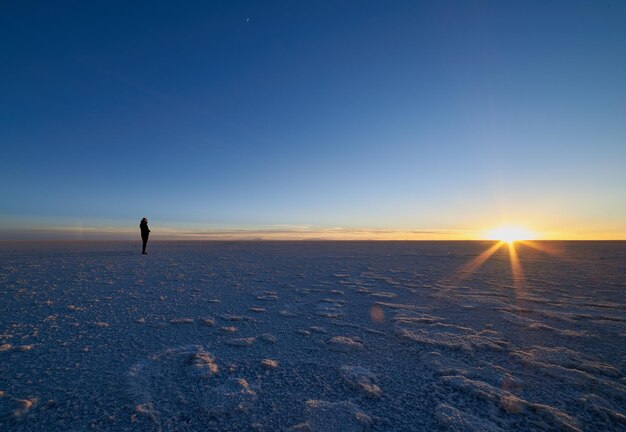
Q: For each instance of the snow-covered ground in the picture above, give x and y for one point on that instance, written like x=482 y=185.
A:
x=311 y=336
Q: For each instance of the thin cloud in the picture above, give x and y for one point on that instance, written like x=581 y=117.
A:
x=263 y=233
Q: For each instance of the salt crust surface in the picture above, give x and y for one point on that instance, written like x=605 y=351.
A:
x=311 y=336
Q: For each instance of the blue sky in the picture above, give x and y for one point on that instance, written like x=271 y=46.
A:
x=407 y=119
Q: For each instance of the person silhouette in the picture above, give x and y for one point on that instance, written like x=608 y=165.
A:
x=145 y=232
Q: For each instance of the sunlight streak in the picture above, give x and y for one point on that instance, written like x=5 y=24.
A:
x=516 y=269
x=477 y=262
x=517 y=273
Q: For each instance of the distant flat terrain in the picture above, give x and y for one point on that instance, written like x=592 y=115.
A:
x=312 y=336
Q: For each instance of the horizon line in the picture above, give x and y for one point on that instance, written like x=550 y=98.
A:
x=302 y=240
x=280 y=233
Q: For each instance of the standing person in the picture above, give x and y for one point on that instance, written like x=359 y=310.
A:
x=145 y=232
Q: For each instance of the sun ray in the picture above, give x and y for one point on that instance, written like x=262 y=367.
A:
x=516 y=269
x=512 y=236
x=477 y=262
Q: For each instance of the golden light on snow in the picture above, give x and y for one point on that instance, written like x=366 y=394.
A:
x=510 y=234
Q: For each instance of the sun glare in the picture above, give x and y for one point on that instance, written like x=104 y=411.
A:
x=507 y=235
x=510 y=234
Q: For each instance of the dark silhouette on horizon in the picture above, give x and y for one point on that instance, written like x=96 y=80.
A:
x=145 y=232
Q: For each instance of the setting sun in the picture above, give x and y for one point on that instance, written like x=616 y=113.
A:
x=510 y=234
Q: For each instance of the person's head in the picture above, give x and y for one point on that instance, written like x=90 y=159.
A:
x=144 y=220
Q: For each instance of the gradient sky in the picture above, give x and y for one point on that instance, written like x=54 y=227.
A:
x=339 y=119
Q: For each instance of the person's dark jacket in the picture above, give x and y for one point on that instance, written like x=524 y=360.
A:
x=144 y=229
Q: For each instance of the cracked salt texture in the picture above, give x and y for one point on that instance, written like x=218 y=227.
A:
x=344 y=336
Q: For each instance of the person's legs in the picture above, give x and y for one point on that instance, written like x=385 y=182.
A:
x=145 y=242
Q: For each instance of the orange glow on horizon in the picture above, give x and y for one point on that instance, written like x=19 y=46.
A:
x=510 y=234
x=168 y=230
